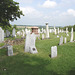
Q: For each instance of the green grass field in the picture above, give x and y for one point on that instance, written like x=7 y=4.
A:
x=39 y=64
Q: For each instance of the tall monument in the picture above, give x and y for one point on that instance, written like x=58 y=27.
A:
x=47 y=31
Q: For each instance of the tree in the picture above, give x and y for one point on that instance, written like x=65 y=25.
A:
x=9 y=11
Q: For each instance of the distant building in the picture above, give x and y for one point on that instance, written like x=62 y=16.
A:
x=34 y=30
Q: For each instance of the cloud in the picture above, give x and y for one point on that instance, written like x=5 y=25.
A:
x=69 y=12
x=31 y=12
x=49 y=4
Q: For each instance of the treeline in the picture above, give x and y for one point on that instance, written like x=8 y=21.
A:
x=69 y=28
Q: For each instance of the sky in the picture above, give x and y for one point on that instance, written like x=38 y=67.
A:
x=54 y=12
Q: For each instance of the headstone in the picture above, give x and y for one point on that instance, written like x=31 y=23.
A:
x=71 y=40
x=53 y=51
x=42 y=30
x=67 y=34
x=58 y=30
x=13 y=32
x=10 y=51
x=32 y=47
x=1 y=35
x=30 y=43
x=39 y=31
x=43 y=36
x=61 y=40
x=66 y=30
x=47 y=31
x=65 y=40
x=55 y=31
x=4 y=34
x=7 y=33
x=27 y=42
x=57 y=36
x=50 y=31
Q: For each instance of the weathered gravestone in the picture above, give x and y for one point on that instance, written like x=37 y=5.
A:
x=27 y=42
x=30 y=43
x=53 y=51
x=58 y=30
x=4 y=34
x=65 y=40
x=43 y=36
x=1 y=35
x=71 y=40
x=61 y=40
x=13 y=32
x=55 y=31
x=66 y=30
x=7 y=33
x=10 y=51
x=32 y=47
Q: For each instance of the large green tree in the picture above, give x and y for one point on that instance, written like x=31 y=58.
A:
x=9 y=11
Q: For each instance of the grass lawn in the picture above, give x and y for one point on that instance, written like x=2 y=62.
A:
x=39 y=64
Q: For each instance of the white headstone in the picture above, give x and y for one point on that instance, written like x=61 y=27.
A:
x=57 y=36
x=61 y=40
x=42 y=30
x=43 y=36
x=53 y=51
x=65 y=40
x=66 y=30
x=55 y=31
x=58 y=30
x=30 y=43
x=71 y=40
x=67 y=34
x=1 y=35
x=27 y=42
x=13 y=32
x=10 y=51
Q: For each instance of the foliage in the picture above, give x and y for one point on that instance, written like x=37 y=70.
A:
x=9 y=11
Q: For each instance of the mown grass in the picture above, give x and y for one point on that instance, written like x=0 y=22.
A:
x=39 y=64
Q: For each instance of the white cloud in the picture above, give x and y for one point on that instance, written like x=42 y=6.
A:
x=69 y=12
x=31 y=12
x=49 y=4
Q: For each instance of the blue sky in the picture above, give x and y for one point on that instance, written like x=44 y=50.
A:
x=38 y=12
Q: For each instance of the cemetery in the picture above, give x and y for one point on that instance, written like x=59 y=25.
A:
x=37 y=37
x=33 y=56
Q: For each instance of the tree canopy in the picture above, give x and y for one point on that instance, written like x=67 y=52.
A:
x=9 y=11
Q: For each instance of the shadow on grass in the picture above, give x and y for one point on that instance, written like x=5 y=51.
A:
x=72 y=71
x=23 y=64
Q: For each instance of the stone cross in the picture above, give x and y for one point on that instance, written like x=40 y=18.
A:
x=53 y=51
